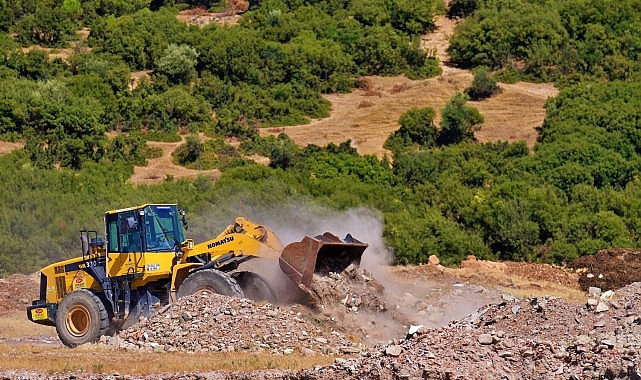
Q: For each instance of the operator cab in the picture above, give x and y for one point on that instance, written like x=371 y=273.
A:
x=148 y=228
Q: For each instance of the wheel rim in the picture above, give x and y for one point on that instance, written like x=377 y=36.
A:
x=204 y=290
x=78 y=320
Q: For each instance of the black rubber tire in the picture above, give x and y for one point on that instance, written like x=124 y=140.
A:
x=255 y=287
x=81 y=318
x=210 y=280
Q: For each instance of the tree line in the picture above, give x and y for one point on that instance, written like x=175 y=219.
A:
x=440 y=192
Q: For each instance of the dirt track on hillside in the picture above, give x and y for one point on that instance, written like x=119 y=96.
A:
x=161 y=168
x=367 y=117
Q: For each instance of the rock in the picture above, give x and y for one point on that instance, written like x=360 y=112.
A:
x=593 y=291
x=350 y=350
x=393 y=350
x=607 y=295
x=307 y=351
x=414 y=329
x=433 y=260
x=601 y=307
x=507 y=298
x=539 y=304
x=485 y=339
x=350 y=268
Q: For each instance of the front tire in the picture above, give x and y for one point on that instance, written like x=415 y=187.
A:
x=210 y=280
x=81 y=318
x=255 y=287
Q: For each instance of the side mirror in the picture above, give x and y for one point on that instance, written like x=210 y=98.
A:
x=183 y=219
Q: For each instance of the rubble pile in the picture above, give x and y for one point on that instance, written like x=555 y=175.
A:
x=213 y=323
x=17 y=291
x=353 y=288
x=541 y=338
x=356 y=301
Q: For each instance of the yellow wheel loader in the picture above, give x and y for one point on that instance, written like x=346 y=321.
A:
x=145 y=262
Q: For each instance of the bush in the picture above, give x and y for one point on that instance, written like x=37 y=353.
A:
x=458 y=120
x=189 y=152
x=417 y=127
x=483 y=86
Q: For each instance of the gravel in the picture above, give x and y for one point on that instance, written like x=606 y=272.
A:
x=536 y=338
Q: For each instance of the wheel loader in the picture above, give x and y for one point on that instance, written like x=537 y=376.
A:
x=145 y=262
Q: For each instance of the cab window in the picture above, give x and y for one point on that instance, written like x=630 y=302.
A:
x=123 y=231
x=162 y=232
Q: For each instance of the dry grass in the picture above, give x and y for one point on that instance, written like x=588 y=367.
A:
x=8 y=147
x=400 y=87
x=158 y=169
x=40 y=355
x=365 y=104
x=94 y=358
x=14 y=324
x=512 y=115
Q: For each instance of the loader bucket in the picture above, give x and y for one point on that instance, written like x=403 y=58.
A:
x=321 y=254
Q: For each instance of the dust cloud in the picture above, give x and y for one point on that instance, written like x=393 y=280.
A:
x=409 y=301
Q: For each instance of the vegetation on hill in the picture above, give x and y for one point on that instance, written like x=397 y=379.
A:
x=443 y=194
x=560 y=40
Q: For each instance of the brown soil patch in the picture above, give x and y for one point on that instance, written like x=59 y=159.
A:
x=18 y=290
x=519 y=279
x=158 y=169
x=609 y=269
x=65 y=53
x=200 y=16
x=8 y=147
x=136 y=76
x=367 y=117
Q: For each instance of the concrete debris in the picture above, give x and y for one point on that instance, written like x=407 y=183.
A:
x=394 y=350
x=547 y=339
x=214 y=323
x=414 y=329
x=601 y=307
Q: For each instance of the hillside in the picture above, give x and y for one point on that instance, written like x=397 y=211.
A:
x=367 y=117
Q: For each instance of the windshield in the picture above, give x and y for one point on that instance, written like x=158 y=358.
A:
x=163 y=228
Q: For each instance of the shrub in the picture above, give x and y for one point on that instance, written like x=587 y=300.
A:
x=483 y=86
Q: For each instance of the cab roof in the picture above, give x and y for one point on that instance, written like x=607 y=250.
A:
x=134 y=208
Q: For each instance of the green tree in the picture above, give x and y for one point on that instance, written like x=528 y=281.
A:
x=483 y=85
x=461 y=8
x=178 y=63
x=417 y=127
x=458 y=120
x=190 y=151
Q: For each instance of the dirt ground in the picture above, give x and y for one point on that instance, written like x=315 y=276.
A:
x=428 y=295
x=158 y=169
x=608 y=269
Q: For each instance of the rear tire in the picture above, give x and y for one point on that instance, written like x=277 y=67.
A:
x=210 y=280
x=255 y=287
x=81 y=318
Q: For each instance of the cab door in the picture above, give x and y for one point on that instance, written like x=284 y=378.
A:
x=124 y=244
